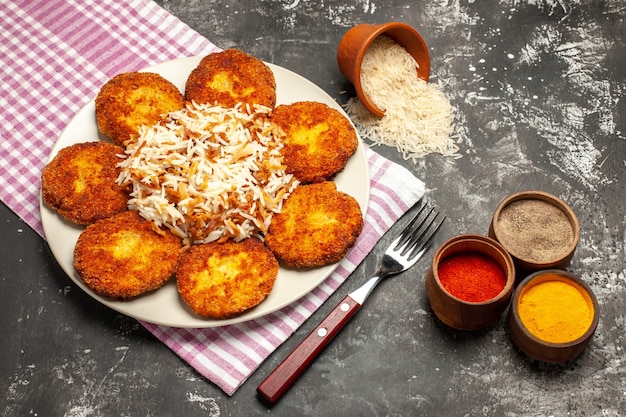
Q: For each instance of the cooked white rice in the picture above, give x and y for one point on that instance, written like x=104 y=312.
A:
x=418 y=118
x=209 y=173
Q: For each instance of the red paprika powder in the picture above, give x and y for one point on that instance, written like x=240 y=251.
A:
x=471 y=276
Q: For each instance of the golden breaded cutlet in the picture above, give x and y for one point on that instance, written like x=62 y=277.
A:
x=230 y=77
x=223 y=279
x=319 y=140
x=122 y=257
x=80 y=182
x=132 y=99
x=317 y=226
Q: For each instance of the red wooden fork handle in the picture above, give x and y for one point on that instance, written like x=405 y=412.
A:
x=286 y=374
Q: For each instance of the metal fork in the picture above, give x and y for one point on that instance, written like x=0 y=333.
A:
x=402 y=253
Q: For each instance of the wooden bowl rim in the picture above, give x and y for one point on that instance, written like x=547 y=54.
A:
x=563 y=276
x=483 y=240
x=547 y=197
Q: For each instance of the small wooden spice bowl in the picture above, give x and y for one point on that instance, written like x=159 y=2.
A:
x=553 y=316
x=538 y=229
x=355 y=42
x=457 y=312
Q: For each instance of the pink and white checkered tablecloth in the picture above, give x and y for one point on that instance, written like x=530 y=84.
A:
x=54 y=56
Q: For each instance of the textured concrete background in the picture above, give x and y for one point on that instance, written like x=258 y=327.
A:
x=539 y=91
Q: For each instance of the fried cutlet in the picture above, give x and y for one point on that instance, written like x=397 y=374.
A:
x=80 y=182
x=122 y=256
x=230 y=77
x=317 y=226
x=132 y=99
x=319 y=140
x=221 y=280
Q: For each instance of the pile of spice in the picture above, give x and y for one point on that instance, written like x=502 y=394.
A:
x=472 y=276
x=555 y=310
x=535 y=230
x=418 y=119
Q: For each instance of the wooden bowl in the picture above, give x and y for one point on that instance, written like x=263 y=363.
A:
x=355 y=42
x=458 y=313
x=539 y=348
x=536 y=239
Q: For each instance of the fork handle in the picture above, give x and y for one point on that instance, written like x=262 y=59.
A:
x=285 y=374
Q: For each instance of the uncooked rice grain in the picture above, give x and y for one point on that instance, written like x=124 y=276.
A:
x=418 y=119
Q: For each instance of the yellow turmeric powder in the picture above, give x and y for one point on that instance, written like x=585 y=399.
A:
x=556 y=310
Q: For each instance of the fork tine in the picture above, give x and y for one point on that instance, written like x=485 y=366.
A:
x=417 y=234
x=421 y=243
x=406 y=233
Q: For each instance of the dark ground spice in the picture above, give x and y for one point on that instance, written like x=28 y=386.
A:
x=471 y=276
x=535 y=230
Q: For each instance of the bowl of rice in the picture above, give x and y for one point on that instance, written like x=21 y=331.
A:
x=354 y=60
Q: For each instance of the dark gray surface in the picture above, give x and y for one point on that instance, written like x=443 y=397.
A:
x=539 y=89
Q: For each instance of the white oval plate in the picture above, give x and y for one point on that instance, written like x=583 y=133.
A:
x=164 y=306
